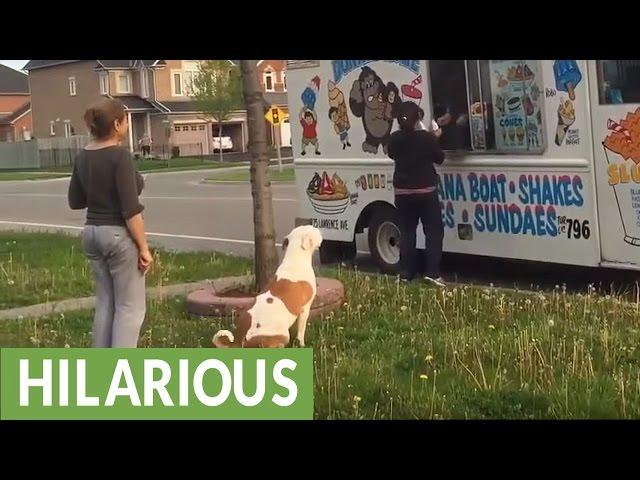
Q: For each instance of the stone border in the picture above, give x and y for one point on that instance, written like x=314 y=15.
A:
x=206 y=301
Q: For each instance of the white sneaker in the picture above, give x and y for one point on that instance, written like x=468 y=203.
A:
x=438 y=282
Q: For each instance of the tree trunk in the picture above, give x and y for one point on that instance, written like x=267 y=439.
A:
x=266 y=256
x=220 y=136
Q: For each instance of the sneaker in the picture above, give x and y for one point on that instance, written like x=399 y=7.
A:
x=438 y=282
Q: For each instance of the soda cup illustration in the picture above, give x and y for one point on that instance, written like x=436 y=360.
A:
x=622 y=151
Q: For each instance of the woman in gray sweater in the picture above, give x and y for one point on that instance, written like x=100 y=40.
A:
x=106 y=183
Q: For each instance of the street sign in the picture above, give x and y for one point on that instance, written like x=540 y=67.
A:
x=275 y=115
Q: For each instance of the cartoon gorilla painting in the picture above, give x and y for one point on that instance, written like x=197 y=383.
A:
x=377 y=105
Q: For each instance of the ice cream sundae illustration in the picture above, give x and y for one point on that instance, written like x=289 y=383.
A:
x=568 y=76
x=622 y=151
x=328 y=196
x=566 y=117
x=410 y=92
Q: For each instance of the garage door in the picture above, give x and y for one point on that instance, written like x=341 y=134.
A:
x=285 y=133
x=191 y=138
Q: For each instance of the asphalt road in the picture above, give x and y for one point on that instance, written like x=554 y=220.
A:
x=183 y=213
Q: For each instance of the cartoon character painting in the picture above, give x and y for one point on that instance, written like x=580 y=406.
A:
x=338 y=114
x=308 y=116
x=309 y=122
x=377 y=105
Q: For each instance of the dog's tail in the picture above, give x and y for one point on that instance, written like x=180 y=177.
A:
x=223 y=339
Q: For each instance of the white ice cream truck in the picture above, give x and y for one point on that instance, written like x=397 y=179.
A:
x=543 y=156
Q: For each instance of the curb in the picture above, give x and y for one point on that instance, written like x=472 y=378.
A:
x=71 y=304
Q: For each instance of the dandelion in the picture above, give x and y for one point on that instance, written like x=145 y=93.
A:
x=356 y=398
x=61 y=316
x=20 y=317
x=527 y=302
x=403 y=308
x=424 y=377
x=492 y=327
x=46 y=291
x=66 y=345
x=551 y=322
x=428 y=358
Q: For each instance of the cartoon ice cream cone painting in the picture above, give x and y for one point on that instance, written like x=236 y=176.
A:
x=338 y=114
x=410 y=92
x=566 y=117
x=568 y=76
x=622 y=151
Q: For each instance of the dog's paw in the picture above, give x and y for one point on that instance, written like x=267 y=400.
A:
x=297 y=343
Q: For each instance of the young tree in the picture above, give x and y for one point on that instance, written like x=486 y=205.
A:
x=266 y=255
x=216 y=90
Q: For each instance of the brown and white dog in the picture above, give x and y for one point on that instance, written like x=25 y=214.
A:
x=287 y=298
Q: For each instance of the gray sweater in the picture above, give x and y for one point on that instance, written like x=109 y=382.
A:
x=106 y=183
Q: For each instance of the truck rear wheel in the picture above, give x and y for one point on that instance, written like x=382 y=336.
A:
x=332 y=251
x=384 y=240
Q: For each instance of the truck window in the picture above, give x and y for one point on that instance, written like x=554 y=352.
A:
x=618 y=81
x=489 y=105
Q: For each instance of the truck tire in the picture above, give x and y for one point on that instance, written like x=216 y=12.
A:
x=332 y=251
x=384 y=240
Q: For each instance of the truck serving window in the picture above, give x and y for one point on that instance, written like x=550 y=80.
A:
x=618 y=81
x=488 y=105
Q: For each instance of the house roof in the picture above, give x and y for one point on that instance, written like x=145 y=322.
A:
x=276 y=98
x=13 y=81
x=133 y=102
x=16 y=114
x=33 y=64
x=180 y=107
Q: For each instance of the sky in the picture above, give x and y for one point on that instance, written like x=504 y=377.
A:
x=17 y=64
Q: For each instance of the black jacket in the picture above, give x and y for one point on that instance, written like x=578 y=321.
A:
x=414 y=154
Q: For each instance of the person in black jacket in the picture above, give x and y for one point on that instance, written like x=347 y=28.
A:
x=415 y=182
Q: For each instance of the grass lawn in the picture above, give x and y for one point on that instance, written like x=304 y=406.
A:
x=287 y=175
x=8 y=176
x=398 y=351
x=36 y=268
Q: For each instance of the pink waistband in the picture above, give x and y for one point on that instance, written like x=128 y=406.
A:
x=414 y=191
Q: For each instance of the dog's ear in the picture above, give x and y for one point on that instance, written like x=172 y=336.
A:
x=306 y=243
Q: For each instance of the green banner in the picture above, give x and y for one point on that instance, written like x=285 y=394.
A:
x=156 y=383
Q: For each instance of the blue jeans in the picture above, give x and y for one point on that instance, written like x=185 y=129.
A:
x=120 y=286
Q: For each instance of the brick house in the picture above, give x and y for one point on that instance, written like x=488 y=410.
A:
x=272 y=77
x=15 y=106
x=155 y=92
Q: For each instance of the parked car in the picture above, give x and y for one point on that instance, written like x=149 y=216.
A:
x=226 y=142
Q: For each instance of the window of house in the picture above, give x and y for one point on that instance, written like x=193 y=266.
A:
x=201 y=127
x=194 y=128
x=269 y=80
x=72 y=86
x=189 y=76
x=618 y=81
x=52 y=128
x=176 y=84
x=284 y=81
x=144 y=83
x=68 y=130
x=488 y=105
x=124 y=82
x=177 y=128
x=104 y=83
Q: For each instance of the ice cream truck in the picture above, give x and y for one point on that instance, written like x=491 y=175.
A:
x=542 y=156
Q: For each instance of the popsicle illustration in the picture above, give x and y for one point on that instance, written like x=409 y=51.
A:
x=567 y=75
x=309 y=94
